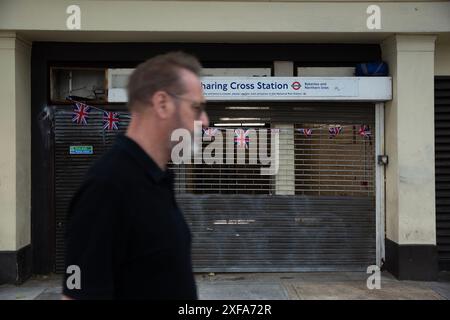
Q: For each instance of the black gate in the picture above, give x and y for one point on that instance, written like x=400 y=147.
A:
x=442 y=146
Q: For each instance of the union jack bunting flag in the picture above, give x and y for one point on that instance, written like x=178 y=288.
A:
x=80 y=113
x=241 y=138
x=110 y=120
x=210 y=132
x=334 y=131
x=364 y=131
x=306 y=132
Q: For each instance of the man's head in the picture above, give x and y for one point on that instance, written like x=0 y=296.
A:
x=167 y=88
x=165 y=94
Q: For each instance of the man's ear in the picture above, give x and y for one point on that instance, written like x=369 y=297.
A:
x=162 y=104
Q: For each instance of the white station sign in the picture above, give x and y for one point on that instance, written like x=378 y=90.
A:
x=279 y=88
x=287 y=88
x=297 y=88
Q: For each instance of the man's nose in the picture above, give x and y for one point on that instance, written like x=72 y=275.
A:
x=204 y=119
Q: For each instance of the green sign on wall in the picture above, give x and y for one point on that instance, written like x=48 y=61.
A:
x=81 y=150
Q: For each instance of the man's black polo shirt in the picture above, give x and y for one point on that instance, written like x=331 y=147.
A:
x=126 y=232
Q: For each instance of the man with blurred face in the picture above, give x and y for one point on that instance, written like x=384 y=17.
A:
x=126 y=234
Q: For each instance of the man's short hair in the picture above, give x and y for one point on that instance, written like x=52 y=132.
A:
x=161 y=72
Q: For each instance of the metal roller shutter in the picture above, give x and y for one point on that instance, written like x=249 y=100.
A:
x=318 y=213
x=70 y=169
x=442 y=146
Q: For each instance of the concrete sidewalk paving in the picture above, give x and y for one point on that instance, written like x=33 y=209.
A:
x=270 y=286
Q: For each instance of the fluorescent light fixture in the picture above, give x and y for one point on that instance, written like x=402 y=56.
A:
x=253 y=124
x=247 y=108
x=227 y=124
x=244 y=124
x=240 y=119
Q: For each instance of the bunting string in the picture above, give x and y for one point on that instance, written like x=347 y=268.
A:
x=112 y=119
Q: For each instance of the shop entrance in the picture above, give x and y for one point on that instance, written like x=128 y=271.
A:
x=318 y=213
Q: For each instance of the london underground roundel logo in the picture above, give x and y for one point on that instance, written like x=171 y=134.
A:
x=296 y=85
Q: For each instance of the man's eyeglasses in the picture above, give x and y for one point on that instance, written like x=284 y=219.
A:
x=199 y=107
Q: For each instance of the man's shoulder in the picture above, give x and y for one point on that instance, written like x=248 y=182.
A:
x=109 y=178
x=114 y=166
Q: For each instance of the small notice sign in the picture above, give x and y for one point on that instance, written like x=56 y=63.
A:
x=81 y=150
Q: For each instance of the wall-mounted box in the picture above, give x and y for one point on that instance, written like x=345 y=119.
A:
x=89 y=83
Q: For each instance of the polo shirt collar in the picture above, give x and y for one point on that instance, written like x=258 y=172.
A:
x=133 y=149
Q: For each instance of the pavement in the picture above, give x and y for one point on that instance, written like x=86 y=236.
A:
x=270 y=286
